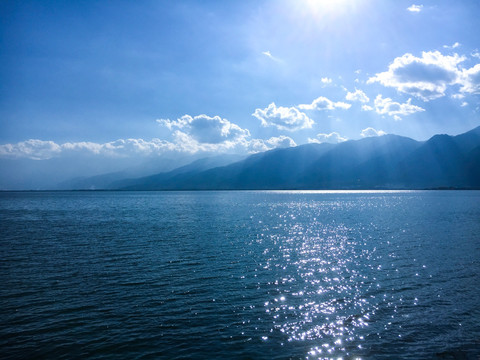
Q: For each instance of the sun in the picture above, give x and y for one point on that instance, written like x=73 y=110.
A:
x=329 y=7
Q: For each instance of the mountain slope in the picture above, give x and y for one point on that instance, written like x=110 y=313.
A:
x=274 y=169
x=389 y=161
x=368 y=162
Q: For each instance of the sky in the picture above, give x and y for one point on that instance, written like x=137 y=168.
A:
x=150 y=78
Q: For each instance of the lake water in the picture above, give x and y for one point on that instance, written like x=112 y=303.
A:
x=240 y=275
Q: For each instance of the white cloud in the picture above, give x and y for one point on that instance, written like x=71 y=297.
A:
x=367 y=108
x=332 y=138
x=198 y=134
x=395 y=109
x=458 y=96
x=322 y=103
x=369 y=132
x=475 y=54
x=206 y=129
x=464 y=104
x=470 y=80
x=43 y=150
x=326 y=80
x=33 y=149
x=357 y=95
x=270 y=56
x=138 y=148
x=258 y=145
x=426 y=77
x=283 y=118
x=454 y=46
x=415 y=8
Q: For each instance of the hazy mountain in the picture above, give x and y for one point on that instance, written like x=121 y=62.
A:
x=388 y=161
x=274 y=169
x=196 y=166
x=443 y=161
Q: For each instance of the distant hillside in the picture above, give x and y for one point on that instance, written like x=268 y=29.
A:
x=389 y=161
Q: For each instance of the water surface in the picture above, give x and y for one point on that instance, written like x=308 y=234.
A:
x=239 y=275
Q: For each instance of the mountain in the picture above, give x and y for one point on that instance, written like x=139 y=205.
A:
x=274 y=169
x=197 y=166
x=389 y=161
x=443 y=161
x=122 y=170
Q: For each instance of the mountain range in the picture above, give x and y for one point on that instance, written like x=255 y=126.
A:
x=382 y=162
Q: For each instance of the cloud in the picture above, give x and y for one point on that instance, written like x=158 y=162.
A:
x=283 y=118
x=425 y=77
x=322 y=103
x=454 y=46
x=395 y=109
x=369 y=132
x=332 y=138
x=367 y=108
x=206 y=129
x=415 y=8
x=470 y=80
x=33 y=149
x=44 y=150
x=270 y=56
x=326 y=80
x=137 y=148
x=258 y=145
x=357 y=95
x=197 y=134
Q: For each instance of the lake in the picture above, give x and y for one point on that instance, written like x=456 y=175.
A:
x=240 y=275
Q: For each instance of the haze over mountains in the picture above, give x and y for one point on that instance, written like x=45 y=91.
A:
x=383 y=162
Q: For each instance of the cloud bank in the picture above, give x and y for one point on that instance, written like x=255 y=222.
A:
x=197 y=134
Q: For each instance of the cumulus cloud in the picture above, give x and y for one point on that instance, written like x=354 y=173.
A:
x=323 y=103
x=369 y=132
x=326 y=80
x=367 y=108
x=357 y=95
x=206 y=129
x=389 y=107
x=454 y=46
x=198 y=134
x=258 y=145
x=130 y=148
x=33 y=149
x=425 y=77
x=415 y=8
x=43 y=150
x=470 y=80
x=283 y=118
x=332 y=138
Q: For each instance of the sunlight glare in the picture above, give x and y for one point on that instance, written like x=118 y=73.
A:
x=329 y=7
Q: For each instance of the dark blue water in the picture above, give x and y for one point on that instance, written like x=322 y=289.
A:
x=240 y=275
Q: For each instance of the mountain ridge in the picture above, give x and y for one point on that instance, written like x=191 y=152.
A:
x=383 y=162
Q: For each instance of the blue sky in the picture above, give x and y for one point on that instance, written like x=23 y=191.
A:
x=129 y=78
